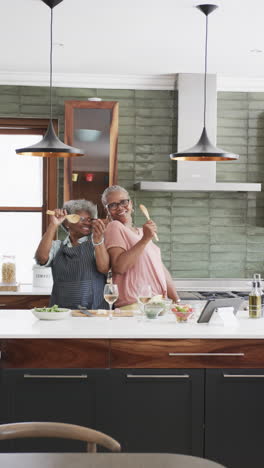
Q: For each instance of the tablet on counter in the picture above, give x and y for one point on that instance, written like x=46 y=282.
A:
x=213 y=304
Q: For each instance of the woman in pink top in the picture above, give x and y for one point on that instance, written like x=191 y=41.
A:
x=135 y=259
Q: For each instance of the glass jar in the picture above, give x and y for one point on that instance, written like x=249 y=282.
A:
x=8 y=269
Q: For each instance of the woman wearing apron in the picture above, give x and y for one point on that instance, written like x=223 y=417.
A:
x=80 y=262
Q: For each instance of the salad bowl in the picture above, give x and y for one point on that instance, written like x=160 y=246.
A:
x=51 y=313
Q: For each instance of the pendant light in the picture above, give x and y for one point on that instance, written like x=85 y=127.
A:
x=50 y=145
x=204 y=150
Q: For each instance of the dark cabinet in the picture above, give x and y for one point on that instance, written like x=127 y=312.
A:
x=157 y=410
x=234 y=415
x=69 y=396
x=27 y=301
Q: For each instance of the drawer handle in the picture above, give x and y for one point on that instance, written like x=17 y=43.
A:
x=2 y=305
x=60 y=376
x=243 y=376
x=158 y=376
x=207 y=354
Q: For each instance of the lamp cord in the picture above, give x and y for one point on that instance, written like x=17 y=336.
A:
x=51 y=28
x=205 y=69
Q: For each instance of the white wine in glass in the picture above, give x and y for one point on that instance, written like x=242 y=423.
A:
x=110 y=296
x=144 y=295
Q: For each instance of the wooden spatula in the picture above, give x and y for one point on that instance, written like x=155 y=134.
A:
x=146 y=213
x=73 y=218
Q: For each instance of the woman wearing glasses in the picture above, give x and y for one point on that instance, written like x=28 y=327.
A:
x=135 y=259
x=80 y=262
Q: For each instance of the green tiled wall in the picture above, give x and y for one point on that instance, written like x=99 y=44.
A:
x=216 y=234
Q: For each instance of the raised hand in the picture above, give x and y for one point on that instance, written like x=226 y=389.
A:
x=98 y=228
x=58 y=217
x=149 y=230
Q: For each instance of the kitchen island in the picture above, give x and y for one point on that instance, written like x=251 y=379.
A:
x=156 y=387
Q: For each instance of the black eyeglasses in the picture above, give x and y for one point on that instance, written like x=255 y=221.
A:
x=113 y=206
x=83 y=219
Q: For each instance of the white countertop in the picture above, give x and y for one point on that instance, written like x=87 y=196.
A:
x=27 y=289
x=22 y=324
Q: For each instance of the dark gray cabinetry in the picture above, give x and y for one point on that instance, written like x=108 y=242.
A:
x=66 y=395
x=157 y=410
x=234 y=417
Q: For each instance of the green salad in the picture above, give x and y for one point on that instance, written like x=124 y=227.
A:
x=54 y=308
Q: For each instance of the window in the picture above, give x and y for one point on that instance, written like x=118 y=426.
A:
x=28 y=188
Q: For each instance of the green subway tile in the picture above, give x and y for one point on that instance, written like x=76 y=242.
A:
x=189 y=256
x=147 y=94
x=167 y=113
x=154 y=103
x=6 y=89
x=126 y=112
x=115 y=94
x=232 y=96
x=164 y=149
x=190 y=265
x=228 y=203
x=185 y=229
x=189 y=211
x=125 y=166
x=153 y=139
x=9 y=108
x=126 y=130
x=186 y=274
x=126 y=157
x=225 y=248
x=154 y=130
x=190 y=238
x=189 y=221
x=190 y=247
x=218 y=238
x=235 y=257
x=227 y=221
x=75 y=93
x=187 y=202
x=9 y=99
x=40 y=111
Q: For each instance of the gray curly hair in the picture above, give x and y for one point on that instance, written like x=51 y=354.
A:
x=113 y=188
x=75 y=206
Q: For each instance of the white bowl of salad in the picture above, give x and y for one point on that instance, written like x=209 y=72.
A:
x=51 y=313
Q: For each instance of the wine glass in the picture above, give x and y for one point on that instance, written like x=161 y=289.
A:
x=144 y=295
x=110 y=296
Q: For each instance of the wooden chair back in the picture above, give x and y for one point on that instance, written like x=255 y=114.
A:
x=61 y=430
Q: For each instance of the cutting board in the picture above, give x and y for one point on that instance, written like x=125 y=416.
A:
x=9 y=287
x=121 y=313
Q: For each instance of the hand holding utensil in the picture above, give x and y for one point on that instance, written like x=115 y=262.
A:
x=146 y=213
x=73 y=218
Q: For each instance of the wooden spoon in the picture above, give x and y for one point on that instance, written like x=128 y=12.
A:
x=146 y=213
x=73 y=218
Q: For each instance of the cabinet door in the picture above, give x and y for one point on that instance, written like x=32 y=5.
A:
x=68 y=396
x=234 y=415
x=23 y=301
x=157 y=410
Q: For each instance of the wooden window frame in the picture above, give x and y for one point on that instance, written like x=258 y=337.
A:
x=35 y=126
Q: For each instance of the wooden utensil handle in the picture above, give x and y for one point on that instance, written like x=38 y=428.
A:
x=49 y=212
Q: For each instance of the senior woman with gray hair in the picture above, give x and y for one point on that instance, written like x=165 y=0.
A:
x=80 y=262
x=135 y=259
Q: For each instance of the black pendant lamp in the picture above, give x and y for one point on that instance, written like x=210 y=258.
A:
x=204 y=150
x=50 y=145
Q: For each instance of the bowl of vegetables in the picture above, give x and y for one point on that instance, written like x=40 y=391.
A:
x=182 y=312
x=51 y=313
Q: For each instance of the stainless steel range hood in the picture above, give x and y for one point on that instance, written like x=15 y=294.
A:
x=195 y=175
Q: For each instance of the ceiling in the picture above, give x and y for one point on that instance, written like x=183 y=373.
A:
x=120 y=37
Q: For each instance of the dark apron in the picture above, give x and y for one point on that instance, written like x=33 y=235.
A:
x=76 y=278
